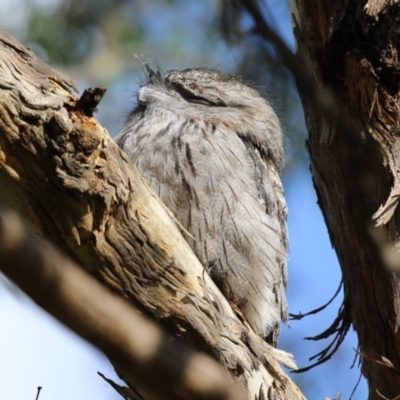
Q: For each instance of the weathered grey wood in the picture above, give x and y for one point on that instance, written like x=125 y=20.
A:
x=351 y=47
x=60 y=169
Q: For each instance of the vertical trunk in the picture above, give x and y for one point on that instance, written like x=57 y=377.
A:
x=352 y=48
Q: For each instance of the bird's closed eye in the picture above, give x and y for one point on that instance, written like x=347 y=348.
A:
x=191 y=98
x=199 y=100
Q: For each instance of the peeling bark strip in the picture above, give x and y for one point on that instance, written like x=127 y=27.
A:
x=352 y=47
x=71 y=182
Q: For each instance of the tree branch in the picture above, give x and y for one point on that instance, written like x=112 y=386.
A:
x=135 y=345
x=60 y=169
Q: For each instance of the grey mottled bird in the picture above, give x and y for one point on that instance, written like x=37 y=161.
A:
x=212 y=149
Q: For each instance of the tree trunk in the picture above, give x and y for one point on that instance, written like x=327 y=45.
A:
x=351 y=47
x=60 y=169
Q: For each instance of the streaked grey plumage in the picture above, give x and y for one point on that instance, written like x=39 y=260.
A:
x=211 y=147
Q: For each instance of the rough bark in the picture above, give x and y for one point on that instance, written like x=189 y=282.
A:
x=60 y=169
x=352 y=48
x=135 y=345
